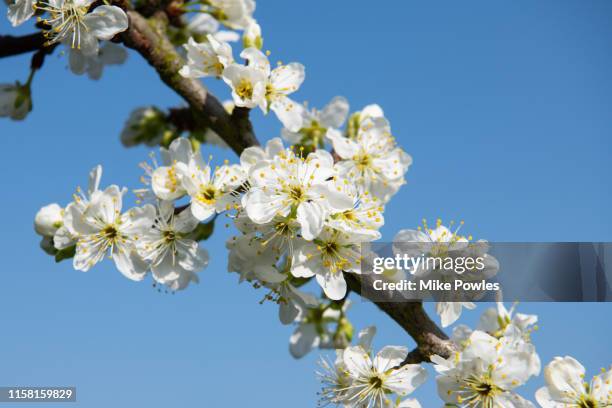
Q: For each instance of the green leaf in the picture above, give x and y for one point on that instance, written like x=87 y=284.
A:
x=66 y=253
x=203 y=231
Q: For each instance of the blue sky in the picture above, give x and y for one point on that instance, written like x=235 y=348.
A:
x=506 y=108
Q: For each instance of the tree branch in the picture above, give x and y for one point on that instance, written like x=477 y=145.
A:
x=413 y=318
x=148 y=37
x=11 y=45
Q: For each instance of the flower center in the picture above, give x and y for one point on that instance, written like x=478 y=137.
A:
x=329 y=248
x=484 y=389
x=363 y=160
x=376 y=382
x=245 y=89
x=110 y=233
x=296 y=193
x=314 y=133
x=208 y=194
x=169 y=236
x=586 y=401
x=171 y=181
x=348 y=215
x=282 y=228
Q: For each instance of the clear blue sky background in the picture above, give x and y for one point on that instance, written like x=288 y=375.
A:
x=506 y=108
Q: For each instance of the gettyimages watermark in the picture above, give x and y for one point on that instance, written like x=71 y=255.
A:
x=487 y=271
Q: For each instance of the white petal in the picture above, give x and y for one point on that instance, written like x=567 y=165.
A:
x=185 y=222
x=366 y=336
x=106 y=21
x=130 y=264
x=409 y=403
x=287 y=313
x=261 y=207
x=304 y=339
x=288 y=78
x=406 y=379
x=288 y=112
x=389 y=357
x=202 y=211
x=335 y=113
x=20 y=11
x=256 y=59
x=333 y=285
x=344 y=147
x=138 y=220
x=357 y=361
x=311 y=216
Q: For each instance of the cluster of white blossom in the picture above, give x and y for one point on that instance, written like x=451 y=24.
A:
x=254 y=84
x=489 y=365
x=141 y=239
x=300 y=219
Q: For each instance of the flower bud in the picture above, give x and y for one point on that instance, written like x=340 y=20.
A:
x=252 y=36
x=145 y=125
x=15 y=101
x=48 y=220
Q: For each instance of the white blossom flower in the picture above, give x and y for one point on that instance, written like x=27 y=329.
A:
x=280 y=82
x=296 y=186
x=565 y=386
x=371 y=158
x=484 y=374
x=372 y=381
x=208 y=58
x=437 y=241
x=252 y=36
x=20 y=11
x=15 y=101
x=235 y=14
x=203 y=24
x=326 y=257
x=316 y=122
x=248 y=85
x=72 y=23
x=174 y=258
x=63 y=239
x=165 y=181
x=356 y=380
x=211 y=191
x=363 y=218
x=101 y=228
x=273 y=239
x=498 y=323
x=93 y=65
